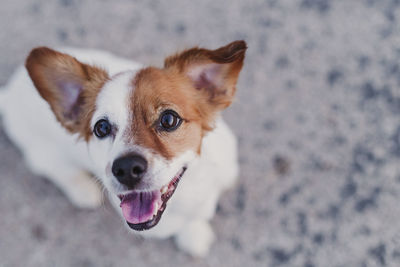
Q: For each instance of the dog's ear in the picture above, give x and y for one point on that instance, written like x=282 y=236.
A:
x=213 y=71
x=69 y=86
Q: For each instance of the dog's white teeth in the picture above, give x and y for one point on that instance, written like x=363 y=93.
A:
x=164 y=189
x=156 y=209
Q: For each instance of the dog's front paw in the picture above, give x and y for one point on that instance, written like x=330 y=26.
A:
x=84 y=192
x=195 y=238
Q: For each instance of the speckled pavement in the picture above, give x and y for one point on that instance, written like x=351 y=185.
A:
x=317 y=116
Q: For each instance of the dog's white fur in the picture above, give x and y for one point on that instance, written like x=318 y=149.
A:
x=52 y=152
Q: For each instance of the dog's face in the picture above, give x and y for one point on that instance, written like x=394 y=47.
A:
x=143 y=128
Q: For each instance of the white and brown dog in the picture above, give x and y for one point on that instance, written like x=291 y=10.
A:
x=140 y=131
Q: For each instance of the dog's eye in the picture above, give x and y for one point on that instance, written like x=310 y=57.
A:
x=170 y=121
x=102 y=128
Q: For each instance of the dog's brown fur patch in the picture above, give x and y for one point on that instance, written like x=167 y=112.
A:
x=156 y=90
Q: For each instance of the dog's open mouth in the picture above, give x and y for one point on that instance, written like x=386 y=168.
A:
x=143 y=209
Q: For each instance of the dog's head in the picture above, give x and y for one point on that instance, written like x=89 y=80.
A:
x=145 y=127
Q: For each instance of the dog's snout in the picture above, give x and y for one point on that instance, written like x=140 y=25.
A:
x=129 y=169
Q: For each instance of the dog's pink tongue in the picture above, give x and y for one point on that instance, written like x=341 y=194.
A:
x=139 y=207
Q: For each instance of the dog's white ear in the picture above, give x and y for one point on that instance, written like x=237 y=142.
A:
x=213 y=71
x=69 y=86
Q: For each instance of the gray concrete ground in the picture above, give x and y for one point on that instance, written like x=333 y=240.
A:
x=317 y=115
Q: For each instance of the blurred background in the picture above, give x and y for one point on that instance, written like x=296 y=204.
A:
x=317 y=116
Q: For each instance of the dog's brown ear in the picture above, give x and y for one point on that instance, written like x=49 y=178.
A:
x=69 y=86
x=213 y=71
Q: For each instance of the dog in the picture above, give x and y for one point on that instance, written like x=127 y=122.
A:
x=153 y=137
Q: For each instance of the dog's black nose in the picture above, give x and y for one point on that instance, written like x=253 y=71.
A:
x=129 y=169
